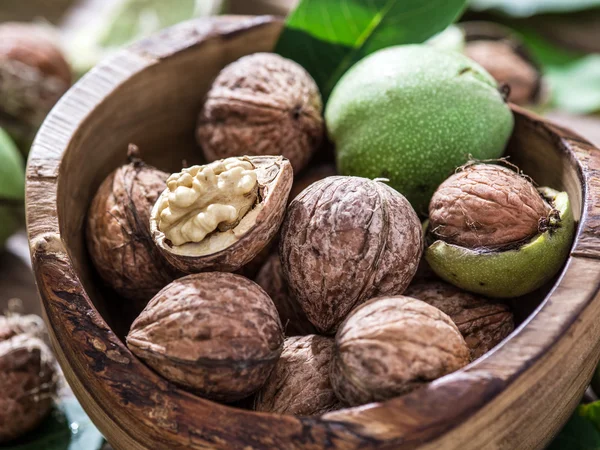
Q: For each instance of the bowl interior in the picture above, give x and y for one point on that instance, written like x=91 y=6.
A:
x=157 y=109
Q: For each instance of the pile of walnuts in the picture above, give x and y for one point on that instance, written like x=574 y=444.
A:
x=328 y=321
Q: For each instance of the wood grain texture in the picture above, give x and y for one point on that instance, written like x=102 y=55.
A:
x=517 y=396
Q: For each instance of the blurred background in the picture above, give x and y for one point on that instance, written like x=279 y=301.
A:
x=556 y=43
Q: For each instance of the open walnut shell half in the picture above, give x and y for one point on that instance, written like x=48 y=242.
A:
x=221 y=215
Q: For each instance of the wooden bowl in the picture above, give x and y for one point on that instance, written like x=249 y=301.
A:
x=517 y=396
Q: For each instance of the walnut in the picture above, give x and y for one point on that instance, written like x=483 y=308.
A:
x=487 y=206
x=33 y=76
x=392 y=345
x=271 y=279
x=299 y=384
x=508 y=67
x=217 y=334
x=262 y=104
x=221 y=215
x=27 y=376
x=344 y=241
x=483 y=323
x=118 y=231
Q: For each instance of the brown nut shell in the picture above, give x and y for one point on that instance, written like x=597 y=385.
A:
x=299 y=384
x=483 y=323
x=217 y=334
x=486 y=206
x=392 y=345
x=346 y=240
x=118 y=231
x=28 y=380
x=248 y=238
x=262 y=104
x=508 y=67
x=34 y=74
x=271 y=279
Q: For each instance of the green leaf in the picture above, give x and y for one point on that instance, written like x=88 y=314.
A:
x=526 y=8
x=578 y=434
x=573 y=78
x=327 y=37
x=591 y=412
x=67 y=428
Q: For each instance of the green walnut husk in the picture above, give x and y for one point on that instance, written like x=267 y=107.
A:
x=12 y=187
x=510 y=272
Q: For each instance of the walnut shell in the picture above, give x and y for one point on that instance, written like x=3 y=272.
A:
x=271 y=279
x=34 y=74
x=217 y=334
x=486 y=206
x=262 y=104
x=508 y=67
x=392 y=345
x=344 y=241
x=483 y=323
x=118 y=231
x=230 y=249
x=14 y=324
x=28 y=380
x=299 y=384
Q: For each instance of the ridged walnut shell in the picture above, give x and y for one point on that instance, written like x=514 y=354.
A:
x=299 y=384
x=118 y=232
x=247 y=239
x=262 y=104
x=392 y=345
x=508 y=67
x=483 y=323
x=346 y=240
x=34 y=74
x=217 y=334
x=271 y=279
x=28 y=380
x=486 y=206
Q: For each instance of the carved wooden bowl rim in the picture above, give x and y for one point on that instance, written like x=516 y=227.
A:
x=128 y=400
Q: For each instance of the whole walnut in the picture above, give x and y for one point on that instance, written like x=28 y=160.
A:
x=509 y=67
x=483 y=323
x=33 y=76
x=27 y=376
x=346 y=240
x=271 y=279
x=217 y=334
x=487 y=206
x=118 y=231
x=262 y=104
x=392 y=345
x=299 y=384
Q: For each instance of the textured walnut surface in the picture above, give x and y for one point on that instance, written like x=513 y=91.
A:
x=262 y=104
x=118 y=234
x=392 y=345
x=271 y=279
x=33 y=74
x=28 y=381
x=483 y=323
x=230 y=248
x=508 y=67
x=299 y=384
x=344 y=241
x=486 y=206
x=217 y=334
